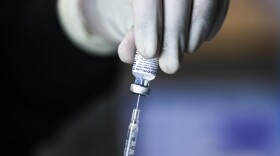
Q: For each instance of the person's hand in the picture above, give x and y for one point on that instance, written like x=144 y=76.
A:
x=169 y=28
x=156 y=28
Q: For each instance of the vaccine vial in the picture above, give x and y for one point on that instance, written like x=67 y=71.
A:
x=144 y=70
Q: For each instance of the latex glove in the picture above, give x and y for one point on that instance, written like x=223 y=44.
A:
x=163 y=28
x=96 y=26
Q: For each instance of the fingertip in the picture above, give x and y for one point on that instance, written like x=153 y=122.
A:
x=124 y=54
x=172 y=54
x=148 y=50
x=147 y=42
x=221 y=13
x=126 y=49
x=169 y=66
x=147 y=26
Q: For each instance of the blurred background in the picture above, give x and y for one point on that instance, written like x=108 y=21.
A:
x=224 y=101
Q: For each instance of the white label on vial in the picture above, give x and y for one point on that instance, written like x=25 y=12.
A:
x=144 y=65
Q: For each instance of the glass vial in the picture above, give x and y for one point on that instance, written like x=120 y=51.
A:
x=144 y=70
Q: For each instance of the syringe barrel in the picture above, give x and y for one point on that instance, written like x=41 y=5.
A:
x=135 y=116
x=130 y=143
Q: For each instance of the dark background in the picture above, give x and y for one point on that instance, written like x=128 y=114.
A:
x=45 y=79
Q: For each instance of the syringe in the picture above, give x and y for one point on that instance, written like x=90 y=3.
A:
x=130 y=143
x=144 y=70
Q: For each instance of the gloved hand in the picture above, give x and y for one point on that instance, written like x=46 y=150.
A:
x=163 y=28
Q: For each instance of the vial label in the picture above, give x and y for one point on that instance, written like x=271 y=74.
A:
x=144 y=65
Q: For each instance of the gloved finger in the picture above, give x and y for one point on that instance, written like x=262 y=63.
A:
x=220 y=15
x=126 y=49
x=147 y=16
x=176 y=21
x=202 y=20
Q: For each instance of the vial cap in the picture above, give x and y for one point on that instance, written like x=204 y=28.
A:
x=138 y=89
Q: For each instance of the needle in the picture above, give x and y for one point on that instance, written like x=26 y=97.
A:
x=138 y=101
